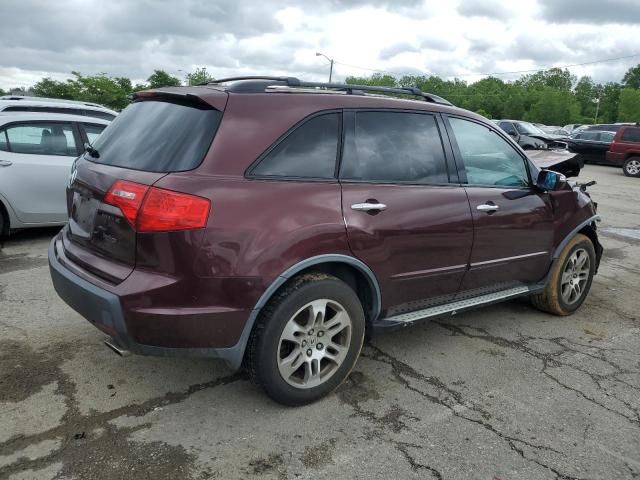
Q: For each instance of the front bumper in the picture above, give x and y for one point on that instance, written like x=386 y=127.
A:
x=104 y=310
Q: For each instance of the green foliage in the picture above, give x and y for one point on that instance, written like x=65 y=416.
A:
x=631 y=79
x=2 y=92
x=629 y=109
x=199 y=77
x=111 y=92
x=160 y=78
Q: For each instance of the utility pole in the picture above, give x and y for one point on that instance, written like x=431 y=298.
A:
x=597 y=109
x=318 y=54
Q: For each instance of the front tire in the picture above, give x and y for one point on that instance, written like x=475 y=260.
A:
x=306 y=340
x=570 y=279
x=631 y=167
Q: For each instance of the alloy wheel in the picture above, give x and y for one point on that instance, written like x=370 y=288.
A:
x=575 y=276
x=633 y=167
x=314 y=343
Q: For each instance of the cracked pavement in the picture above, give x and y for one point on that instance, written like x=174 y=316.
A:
x=505 y=392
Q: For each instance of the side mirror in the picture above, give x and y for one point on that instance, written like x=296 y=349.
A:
x=550 y=180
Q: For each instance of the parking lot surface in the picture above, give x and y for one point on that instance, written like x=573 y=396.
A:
x=501 y=393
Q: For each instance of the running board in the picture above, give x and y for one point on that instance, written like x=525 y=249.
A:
x=452 y=308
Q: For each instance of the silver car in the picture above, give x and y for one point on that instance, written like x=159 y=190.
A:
x=21 y=103
x=37 y=151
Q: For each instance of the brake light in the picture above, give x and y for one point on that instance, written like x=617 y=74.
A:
x=152 y=209
x=612 y=147
x=127 y=196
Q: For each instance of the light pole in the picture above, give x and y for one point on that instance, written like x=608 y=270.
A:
x=597 y=108
x=318 y=54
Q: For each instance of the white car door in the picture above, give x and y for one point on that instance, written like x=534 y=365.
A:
x=35 y=162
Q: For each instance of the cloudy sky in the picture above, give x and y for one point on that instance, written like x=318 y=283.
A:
x=465 y=38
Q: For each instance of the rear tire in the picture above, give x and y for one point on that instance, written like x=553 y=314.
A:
x=4 y=223
x=631 y=167
x=306 y=339
x=570 y=279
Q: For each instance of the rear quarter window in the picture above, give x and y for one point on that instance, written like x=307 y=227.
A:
x=158 y=136
x=631 y=135
x=309 y=151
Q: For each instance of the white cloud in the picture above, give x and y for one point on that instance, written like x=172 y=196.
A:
x=465 y=38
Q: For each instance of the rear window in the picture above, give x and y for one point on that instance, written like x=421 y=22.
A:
x=631 y=135
x=158 y=136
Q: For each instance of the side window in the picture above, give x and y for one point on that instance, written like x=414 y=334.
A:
x=488 y=159
x=42 y=139
x=508 y=127
x=309 y=151
x=93 y=131
x=394 y=147
x=4 y=144
x=631 y=135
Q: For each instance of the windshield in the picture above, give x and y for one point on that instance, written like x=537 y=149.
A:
x=525 y=128
x=158 y=136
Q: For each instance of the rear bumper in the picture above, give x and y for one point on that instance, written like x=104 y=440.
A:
x=614 y=158
x=104 y=309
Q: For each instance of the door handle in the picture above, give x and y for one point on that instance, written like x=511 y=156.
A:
x=5 y=163
x=366 y=207
x=487 y=208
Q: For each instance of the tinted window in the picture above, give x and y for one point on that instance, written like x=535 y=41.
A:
x=158 y=136
x=631 y=134
x=508 y=127
x=308 y=152
x=42 y=138
x=488 y=159
x=93 y=131
x=394 y=147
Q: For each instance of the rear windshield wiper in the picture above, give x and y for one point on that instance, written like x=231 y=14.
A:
x=91 y=151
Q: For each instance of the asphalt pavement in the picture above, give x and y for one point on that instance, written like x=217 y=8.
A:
x=501 y=393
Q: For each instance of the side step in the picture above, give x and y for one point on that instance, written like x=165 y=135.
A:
x=115 y=346
x=452 y=308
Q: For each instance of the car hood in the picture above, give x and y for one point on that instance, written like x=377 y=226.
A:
x=561 y=161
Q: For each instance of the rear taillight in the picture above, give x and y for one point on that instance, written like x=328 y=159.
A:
x=612 y=147
x=151 y=209
x=127 y=196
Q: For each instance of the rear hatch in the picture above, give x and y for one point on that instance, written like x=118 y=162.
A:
x=110 y=187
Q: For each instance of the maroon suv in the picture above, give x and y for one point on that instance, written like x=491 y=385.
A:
x=624 y=150
x=272 y=223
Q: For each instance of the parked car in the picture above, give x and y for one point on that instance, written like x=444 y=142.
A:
x=18 y=103
x=571 y=127
x=36 y=154
x=530 y=137
x=332 y=214
x=604 y=127
x=591 y=145
x=624 y=150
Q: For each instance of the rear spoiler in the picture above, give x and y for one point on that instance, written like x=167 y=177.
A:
x=196 y=96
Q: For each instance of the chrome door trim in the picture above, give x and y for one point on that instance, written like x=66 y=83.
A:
x=509 y=259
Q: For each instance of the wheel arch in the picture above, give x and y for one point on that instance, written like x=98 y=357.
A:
x=349 y=269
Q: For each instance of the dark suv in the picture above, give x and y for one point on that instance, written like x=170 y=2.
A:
x=624 y=150
x=273 y=223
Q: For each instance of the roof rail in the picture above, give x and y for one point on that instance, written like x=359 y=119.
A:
x=257 y=84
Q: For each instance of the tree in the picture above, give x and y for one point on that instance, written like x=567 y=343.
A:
x=586 y=92
x=160 y=78
x=554 y=107
x=631 y=79
x=101 y=89
x=554 y=77
x=2 y=92
x=629 y=106
x=199 y=77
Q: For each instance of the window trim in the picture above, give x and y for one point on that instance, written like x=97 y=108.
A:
x=349 y=123
x=502 y=134
x=72 y=125
x=248 y=173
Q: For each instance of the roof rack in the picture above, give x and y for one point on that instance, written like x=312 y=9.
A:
x=258 y=84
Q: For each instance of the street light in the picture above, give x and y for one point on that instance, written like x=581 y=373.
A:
x=597 y=102
x=318 y=54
